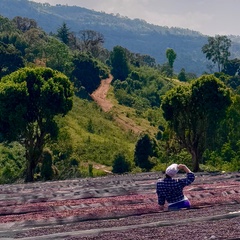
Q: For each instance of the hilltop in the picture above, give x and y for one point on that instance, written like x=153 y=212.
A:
x=136 y=35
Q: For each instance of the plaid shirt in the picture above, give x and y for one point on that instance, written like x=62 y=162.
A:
x=171 y=190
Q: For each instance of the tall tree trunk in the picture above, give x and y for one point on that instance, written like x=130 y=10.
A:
x=30 y=171
x=195 y=160
x=34 y=151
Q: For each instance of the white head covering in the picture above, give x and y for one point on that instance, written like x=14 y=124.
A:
x=172 y=170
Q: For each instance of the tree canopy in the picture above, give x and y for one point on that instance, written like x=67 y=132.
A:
x=171 y=56
x=10 y=59
x=63 y=33
x=87 y=72
x=119 y=63
x=194 y=111
x=217 y=50
x=57 y=55
x=29 y=101
x=143 y=152
x=232 y=67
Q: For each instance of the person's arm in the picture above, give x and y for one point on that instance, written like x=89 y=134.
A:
x=190 y=175
x=184 y=168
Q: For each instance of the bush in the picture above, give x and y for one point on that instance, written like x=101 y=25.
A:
x=120 y=164
x=12 y=163
x=46 y=168
x=124 y=98
x=144 y=150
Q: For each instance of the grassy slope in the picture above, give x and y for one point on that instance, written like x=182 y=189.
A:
x=130 y=120
x=95 y=136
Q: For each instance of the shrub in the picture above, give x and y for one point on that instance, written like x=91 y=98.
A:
x=143 y=153
x=46 y=168
x=120 y=164
x=12 y=162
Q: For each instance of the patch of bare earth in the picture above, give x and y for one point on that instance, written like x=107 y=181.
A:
x=119 y=207
x=100 y=97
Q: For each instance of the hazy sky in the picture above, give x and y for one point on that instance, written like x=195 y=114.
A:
x=209 y=17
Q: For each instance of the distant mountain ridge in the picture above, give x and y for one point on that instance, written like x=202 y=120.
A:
x=136 y=35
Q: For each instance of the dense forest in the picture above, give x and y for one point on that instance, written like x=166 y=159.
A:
x=136 y=35
x=50 y=128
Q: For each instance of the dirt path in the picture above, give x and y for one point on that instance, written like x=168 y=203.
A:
x=100 y=95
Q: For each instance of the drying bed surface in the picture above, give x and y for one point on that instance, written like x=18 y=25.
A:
x=120 y=207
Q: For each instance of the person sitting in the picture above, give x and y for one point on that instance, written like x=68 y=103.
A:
x=170 y=190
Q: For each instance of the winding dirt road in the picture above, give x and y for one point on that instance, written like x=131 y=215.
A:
x=100 y=95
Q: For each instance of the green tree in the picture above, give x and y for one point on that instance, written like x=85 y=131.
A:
x=92 y=42
x=36 y=40
x=47 y=162
x=13 y=159
x=24 y=24
x=15 y=39
x=57 y=55
x=29 y=101
x=119 y=63
x=25 y=36
x=229 y=132
x=121 y=164
x=171 y=56
x=87 y=72
x=182 y=75
x=63 y=33
x=139 y=60
x=10 y=59
x=6 y=25
x=166 y=70
x=232 y=67
x=217 y=50
x=195 y=111
x=143 y=153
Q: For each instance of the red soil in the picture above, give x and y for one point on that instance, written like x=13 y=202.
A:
x=100 y=95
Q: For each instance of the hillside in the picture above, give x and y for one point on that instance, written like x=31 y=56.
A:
x=91 y=135
x=136 y=35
